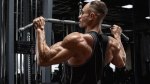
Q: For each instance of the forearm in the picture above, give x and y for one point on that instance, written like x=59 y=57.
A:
x=121 y=53
x=42 y=47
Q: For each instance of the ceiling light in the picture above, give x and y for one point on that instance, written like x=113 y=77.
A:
x=91 y=0
x=148 y=17
x=129 y=6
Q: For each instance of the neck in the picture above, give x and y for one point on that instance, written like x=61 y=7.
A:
x=96 y=28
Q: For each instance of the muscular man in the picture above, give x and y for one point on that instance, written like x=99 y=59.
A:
x=80 y=52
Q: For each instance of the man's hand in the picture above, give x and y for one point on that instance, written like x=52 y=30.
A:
x=116 y=31
x=39 y=23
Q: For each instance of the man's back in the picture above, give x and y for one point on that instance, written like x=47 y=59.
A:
x=89 y=72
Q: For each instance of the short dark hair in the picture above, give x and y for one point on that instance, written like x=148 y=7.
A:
x=98 y=7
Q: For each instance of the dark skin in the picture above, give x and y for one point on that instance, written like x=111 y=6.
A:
x=76 y=48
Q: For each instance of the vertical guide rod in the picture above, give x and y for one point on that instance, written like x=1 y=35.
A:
x=21 y=55
x=28 y=38
x=2 y=44
x=36 y=65
x=16 y=59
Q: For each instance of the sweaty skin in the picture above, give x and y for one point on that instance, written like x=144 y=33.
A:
x=76 y=48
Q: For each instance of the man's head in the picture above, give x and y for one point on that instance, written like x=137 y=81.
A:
x=98 y=7
x=93 y=13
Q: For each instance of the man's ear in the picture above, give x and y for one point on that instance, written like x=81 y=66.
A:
x=92 y=16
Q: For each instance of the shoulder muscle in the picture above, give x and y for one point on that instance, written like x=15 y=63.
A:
x=72 y=39
x=78 y=44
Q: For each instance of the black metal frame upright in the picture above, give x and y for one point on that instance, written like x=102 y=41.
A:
x=25 y=41
x=9 y=44
x=1 y=42
x=17 y=64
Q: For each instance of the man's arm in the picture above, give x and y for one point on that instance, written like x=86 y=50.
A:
x=115 y=50
x=50 y=55
x=72 y=45
x=118 y=53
